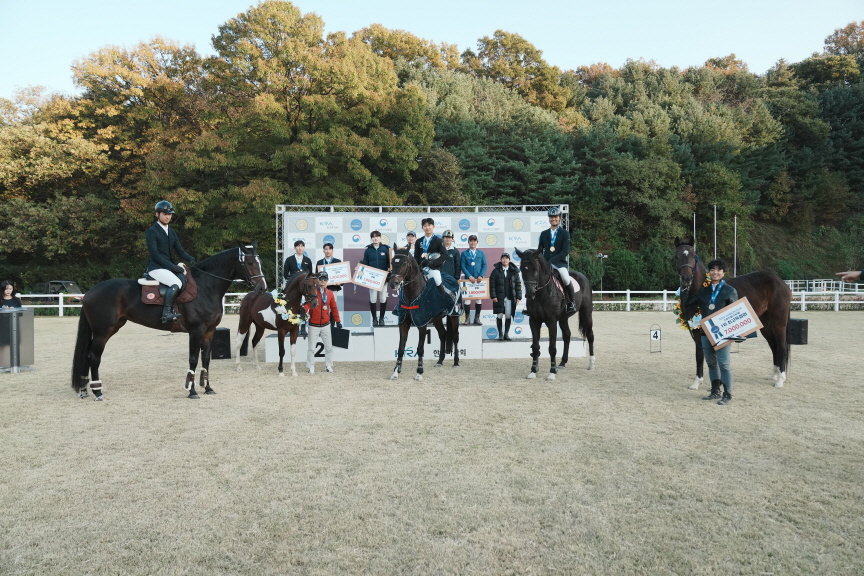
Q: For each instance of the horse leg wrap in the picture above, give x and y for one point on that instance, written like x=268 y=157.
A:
x=190 y=380
x=96 y=387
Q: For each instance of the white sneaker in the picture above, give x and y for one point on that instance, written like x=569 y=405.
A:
x=311 y=370
x=329 y=369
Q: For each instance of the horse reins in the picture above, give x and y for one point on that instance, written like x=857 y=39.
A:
x=249 y=278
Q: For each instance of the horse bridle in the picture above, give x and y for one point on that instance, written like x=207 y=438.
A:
x=529 y=291
x=690 y=253
x=240 y=258
x=402 y=281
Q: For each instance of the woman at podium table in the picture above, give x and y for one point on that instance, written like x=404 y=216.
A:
x=9 y=300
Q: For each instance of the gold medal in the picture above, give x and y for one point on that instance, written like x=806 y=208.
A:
x=551 y=249
x=710 y=306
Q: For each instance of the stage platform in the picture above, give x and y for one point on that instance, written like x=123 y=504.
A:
x=379 y=344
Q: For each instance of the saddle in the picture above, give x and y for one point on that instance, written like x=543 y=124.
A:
x=152 y=292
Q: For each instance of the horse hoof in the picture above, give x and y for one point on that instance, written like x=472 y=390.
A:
x=394 y=377
x=780 y=381
x=99 y=398
x=550 y=376
x=83 y=394
x=418 y=377
x=282 y=374
x=209 y=391
x=193 y=396
x=532 y=375
x=562 y=365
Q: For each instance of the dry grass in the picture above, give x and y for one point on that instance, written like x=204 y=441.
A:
x=473 y=471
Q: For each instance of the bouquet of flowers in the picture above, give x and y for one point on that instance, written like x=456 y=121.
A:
x=678 y=309
x=281 y=308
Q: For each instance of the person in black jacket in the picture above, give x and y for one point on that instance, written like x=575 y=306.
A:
x=328 y=259
x=161 y=242
x=555 y=245
x=718 y=294
x=452 y=258
x=430 y=249
x=505 y=289
x=296 y=263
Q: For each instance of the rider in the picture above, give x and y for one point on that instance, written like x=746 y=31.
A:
x=555 y=245
x=430 y=253
x=161 y=240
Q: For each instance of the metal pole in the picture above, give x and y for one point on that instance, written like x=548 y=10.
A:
x=715 y=231
x=735 y=252
x=694 y=230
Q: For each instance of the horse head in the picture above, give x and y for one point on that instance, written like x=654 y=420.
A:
x=534 y=269
x=403 y=268
x=686 y=262
x=309 y=290
x=248 y=266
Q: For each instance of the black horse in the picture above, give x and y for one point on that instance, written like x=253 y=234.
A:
x=417 y=307
x=767 y=293
x=547 y=305
x=259 y=308
x=108 y=305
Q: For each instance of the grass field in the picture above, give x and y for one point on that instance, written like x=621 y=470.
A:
x=476 y=470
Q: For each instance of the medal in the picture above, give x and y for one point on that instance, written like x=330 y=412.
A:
x=325 y=308
x=710 y=306
x=472 y=263
x=551 y=249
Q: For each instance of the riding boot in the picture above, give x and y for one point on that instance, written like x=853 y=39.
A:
x=727 y=396
x=571 y=298
x=507 y=323
x=373 y=312
x=168 y=314
x=477 y=308
x=467 y=316
x=715 y=390
x=500 y=331
x=450 y=296
x=382 y=308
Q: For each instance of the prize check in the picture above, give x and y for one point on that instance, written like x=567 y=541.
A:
x=339 y=272
x=731 y=323
x=475 y=290
x=370 y=277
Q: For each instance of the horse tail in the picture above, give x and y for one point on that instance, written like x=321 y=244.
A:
x=244 y=348
x=586 y=306
x=81 y=358
x=788 y=355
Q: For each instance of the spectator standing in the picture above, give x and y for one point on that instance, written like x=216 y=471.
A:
x=474 y=270
x=8 y=299
x=297 y=263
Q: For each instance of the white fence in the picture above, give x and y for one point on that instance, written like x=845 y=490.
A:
x=621 y=300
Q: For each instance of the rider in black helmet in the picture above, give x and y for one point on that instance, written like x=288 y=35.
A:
x=161 y=240
x=555 y=246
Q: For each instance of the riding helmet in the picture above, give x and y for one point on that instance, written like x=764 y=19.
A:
x=164 y=206
x=554 y=211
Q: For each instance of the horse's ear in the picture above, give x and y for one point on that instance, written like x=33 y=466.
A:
x=518 y=252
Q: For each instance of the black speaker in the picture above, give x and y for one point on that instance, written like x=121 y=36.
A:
x=797 y=331
x=221 y=346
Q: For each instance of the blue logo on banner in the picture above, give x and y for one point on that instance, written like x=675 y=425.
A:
x=329 y=238
x=463 y=238
x=355 y=238
x=519 y=317
x=356 y=225
x=491 y=333
x=490 y=222
x=464 y=224
x=518 y=330
x=383 y=222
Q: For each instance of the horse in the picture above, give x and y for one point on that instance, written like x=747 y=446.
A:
x=546 y=304
x=417 y=307
x=111 y=303
x=767 y=293
x=260 y=309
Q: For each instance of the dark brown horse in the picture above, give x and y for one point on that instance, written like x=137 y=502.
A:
x=546 y=305
x=767 y=293
x=417 y=307
x=110 y=304
x=261 y=310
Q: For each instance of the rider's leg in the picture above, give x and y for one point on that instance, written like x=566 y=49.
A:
x=571 y=286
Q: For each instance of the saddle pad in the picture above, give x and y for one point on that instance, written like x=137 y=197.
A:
x=150 y=294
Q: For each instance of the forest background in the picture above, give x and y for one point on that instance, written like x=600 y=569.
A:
x=283 y=114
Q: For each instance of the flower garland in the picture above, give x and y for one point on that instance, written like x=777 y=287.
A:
x=678 y=310
x=282 y=310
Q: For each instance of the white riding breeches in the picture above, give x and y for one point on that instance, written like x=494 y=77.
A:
x=435 y=275
x=165 y=277
x=566 y=279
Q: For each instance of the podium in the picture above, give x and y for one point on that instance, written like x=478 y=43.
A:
x=16 y=339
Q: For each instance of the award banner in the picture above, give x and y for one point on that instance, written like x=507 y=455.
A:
x=370 y=277
x=475 y=290
x=730 y=324
x=339 y=272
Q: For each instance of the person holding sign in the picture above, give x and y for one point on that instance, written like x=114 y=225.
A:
x=718 y=294
x=328 y=259
x=505 y=289
x=320 y=319
x=377 y=256
x=474 y=270
x=555 y=246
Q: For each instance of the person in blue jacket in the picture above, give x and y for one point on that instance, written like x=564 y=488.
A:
x=555 y=246
x=474 y=270
x=377 y=255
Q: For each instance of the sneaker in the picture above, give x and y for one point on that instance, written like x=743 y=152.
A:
x=725 y=400
x=713 y=396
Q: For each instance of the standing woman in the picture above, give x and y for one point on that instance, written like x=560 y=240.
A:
x=161 y=241
x=8 y=298
x=505 y=289
x=718 y=294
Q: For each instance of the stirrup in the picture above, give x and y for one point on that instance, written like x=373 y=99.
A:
x=170 y=317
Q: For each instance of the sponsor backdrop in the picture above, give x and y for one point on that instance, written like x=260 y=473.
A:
x=348 y=228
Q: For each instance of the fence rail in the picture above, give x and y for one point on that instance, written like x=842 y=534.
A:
x=613 y=300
